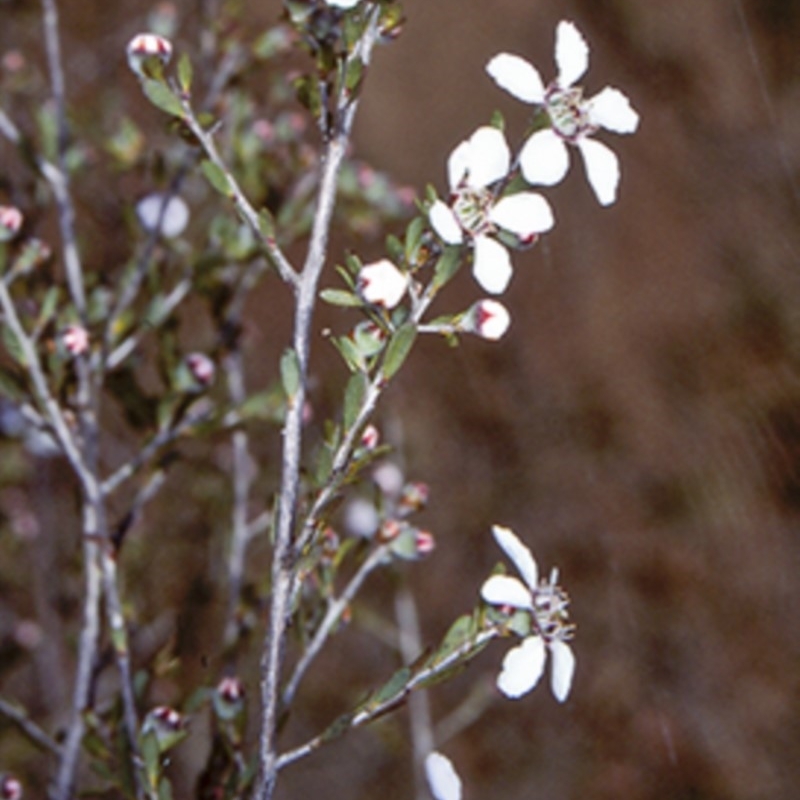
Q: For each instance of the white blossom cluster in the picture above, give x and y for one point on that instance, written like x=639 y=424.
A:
x=485 y=209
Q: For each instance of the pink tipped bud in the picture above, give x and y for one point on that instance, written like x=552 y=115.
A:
x=168 y=717
x=414 y=497
x=425 y=543
x=230 y=690
x=10 y=788
x=147 y=45
x=382 y=284
x=390 y=529
x=10 y=222
x=202 y=368
x=75 y=340
x=370 y=437
x=488 y=319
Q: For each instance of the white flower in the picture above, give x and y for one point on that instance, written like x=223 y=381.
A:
x=382 y=283
x=523 y=665
x=475 y=211
x=343 y=3
x=442 y=777
x=544 y=158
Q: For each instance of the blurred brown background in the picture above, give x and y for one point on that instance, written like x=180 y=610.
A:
x=639 y=426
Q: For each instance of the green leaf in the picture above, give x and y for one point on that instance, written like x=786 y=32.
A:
x=160 y=96
x=216 y=176
x=266 y=224
x=185 y=73
x=399 y=347
x=393 y=687
x=447 y=266
x=339 y=297
x=13 y=346
x=48 y=307
x=349 y=352
x=414 y=233
x=353 y=398
x=290 y=374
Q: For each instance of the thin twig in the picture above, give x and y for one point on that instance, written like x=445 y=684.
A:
x=243 y=205
x=21 y=719
x=59 y=178
x=283 y=558
x=332 y=616
x=418 y=706
x=371 y=712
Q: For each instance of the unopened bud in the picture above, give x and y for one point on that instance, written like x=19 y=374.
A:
x=414 y=497
x=10 y=788
x=425 y=542
x=202 y=368
x=382 y=283
x=146 y=46
x=75 y=340
x=10 y=222
x=370 y=437
x=487 y=319
x=230 y=689
x=390 y=529
x=163 y=214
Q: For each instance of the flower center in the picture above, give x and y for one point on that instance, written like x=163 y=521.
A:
x=472 y=207
x=567 y=111
x=551 y=604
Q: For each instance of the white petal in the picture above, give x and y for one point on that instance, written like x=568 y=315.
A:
x=522 y=667
x=517 y=77
x=602 y=169
x=524 y=214
x=544 y=159
x=503 y=590
x=611 y=109
x=572 y=54
x=491 y=265
x=519 y=554
x=343 y=3
x=442 y=777
x=562 y=669
x=445 y=223
x=489 y=157
x=458 y=165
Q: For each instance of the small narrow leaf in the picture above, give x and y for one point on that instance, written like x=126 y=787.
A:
x=339 y=297
x=353 y=398
x=446 y=266
x=160 y=96
x=216 y=177
x=185 y=73
x=398 y=349
x=290 y=374
x=414 y=233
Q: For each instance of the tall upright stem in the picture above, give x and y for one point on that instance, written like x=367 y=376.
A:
x=283 y=559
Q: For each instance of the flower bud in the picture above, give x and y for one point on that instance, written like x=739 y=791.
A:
x=382 y=283
x=425 y=543
x=75 y=340
x=10 y=788
x=361 y=518
x=164 y=214
x=370 y=437
x=145 y=46
x=487 y=319
x=202 y=368
x=230 y=689
x=10 y=222
x=167 y=725
x=388 y=477
x=414 y=497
